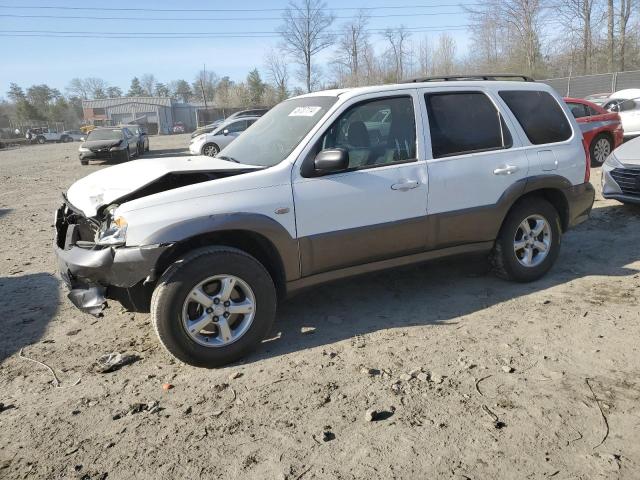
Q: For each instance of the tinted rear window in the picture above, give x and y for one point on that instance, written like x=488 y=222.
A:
x=465 y=122
x=539 y=115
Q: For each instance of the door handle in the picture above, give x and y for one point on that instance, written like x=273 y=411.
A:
x=405 y=185
x=506 y=170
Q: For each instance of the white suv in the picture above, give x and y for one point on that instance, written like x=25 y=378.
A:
x=324 y=186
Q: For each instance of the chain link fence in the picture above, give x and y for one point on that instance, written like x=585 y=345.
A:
x=580 y=87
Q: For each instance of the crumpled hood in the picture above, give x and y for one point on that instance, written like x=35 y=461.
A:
x=110 y=184
x=629 y=152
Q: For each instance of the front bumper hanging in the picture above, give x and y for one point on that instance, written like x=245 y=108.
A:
x=89 y=270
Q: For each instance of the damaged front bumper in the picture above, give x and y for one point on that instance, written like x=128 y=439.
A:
x=89 y=270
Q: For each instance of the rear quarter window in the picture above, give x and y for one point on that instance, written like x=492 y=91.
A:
x=539 y=115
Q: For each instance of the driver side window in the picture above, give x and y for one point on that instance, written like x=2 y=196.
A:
x=375 y=133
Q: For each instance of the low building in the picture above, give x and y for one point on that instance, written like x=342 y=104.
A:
x=158 y=114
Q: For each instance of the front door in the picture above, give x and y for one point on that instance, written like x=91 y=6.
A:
x=376 y=209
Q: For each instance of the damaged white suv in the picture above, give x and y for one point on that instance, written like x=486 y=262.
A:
x=324 y=186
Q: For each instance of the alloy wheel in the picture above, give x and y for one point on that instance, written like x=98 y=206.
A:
x=218 y=311
x=601 y=150
x=532 y=241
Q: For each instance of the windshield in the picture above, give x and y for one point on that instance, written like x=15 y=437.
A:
x=106 y=134
x=274 y=136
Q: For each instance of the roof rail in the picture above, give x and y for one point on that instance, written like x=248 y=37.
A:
x=478 y=76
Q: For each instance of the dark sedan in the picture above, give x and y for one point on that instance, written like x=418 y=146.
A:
x=110 y=143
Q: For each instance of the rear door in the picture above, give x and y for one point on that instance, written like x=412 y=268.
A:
x=474 y=159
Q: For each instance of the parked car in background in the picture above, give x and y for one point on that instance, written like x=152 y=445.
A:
x=179 y=127
x=621 y=173
x=598 y=98
x=141 y=135
x=254 y=112
x=43 y=135
x=601 y=129
x=108 y=143
x=211 y=143
x=627 y=104
x=308 y=195
x=207 y=128
x=71 y=136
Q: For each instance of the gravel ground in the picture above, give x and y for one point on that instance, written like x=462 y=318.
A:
x=470 y=376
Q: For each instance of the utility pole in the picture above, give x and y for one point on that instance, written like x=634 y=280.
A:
x=204 y=97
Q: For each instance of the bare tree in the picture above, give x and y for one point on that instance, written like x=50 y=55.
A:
x=352 y=41
x=444 y=57
x=278 y=74
x=398 y=50
x=305 y=33
x=610 y=42
x=425 y=56
x=626 y=8
x=577 y=20
x=148 y=83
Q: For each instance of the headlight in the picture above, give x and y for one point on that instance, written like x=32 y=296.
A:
x=613 y=162
x=114 y=232
x=83 y=149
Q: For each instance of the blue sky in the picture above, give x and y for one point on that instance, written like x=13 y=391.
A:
x=29 y=60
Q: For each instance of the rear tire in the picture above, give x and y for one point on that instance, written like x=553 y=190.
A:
x=173 y=297
x=599 y=150
x=510 y=257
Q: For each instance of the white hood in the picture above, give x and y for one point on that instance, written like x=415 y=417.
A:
x=629 y=152
x=108 y=185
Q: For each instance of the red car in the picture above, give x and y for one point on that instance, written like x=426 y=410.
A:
x=602 y=130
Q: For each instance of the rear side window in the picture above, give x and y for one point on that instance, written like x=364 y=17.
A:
x=465 y=122
x=578 y=110
x=539 y=115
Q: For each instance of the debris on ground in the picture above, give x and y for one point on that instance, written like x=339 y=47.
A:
x=113 y=361
x=373 y=415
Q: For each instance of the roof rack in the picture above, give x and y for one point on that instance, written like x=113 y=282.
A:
x=479 y=76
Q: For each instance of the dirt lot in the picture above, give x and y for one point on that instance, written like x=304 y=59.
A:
x=516 y=381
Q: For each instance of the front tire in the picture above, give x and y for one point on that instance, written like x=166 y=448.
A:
x=213 y=306
x=600 y=148
x=210 y=149
x=41 y=140
x=529 y=241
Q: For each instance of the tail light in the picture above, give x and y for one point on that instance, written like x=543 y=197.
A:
x=587 y=161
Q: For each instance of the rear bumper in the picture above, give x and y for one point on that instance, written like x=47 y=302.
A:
x=580 y=200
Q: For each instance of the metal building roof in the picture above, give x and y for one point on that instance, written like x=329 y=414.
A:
x=112 y=102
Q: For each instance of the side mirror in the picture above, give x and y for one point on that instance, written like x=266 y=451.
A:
x=82 y=139
x=225 y=132
x=331 y=160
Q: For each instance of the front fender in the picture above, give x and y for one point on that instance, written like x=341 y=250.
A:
x=274 y=232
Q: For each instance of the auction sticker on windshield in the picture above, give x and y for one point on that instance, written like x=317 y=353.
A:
x=304 y=111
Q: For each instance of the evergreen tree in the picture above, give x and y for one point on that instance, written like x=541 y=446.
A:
x=135 y=90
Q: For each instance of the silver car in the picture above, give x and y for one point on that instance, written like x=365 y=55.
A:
x=211 y=143
x=621 y=173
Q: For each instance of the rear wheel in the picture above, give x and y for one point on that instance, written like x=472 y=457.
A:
x=213 y=306
x=210 y=149
x=529 y=241
x=600 y=148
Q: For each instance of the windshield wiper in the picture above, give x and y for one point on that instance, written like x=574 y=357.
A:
x=228 y=159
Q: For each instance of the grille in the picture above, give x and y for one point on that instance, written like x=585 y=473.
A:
x=628 y=179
